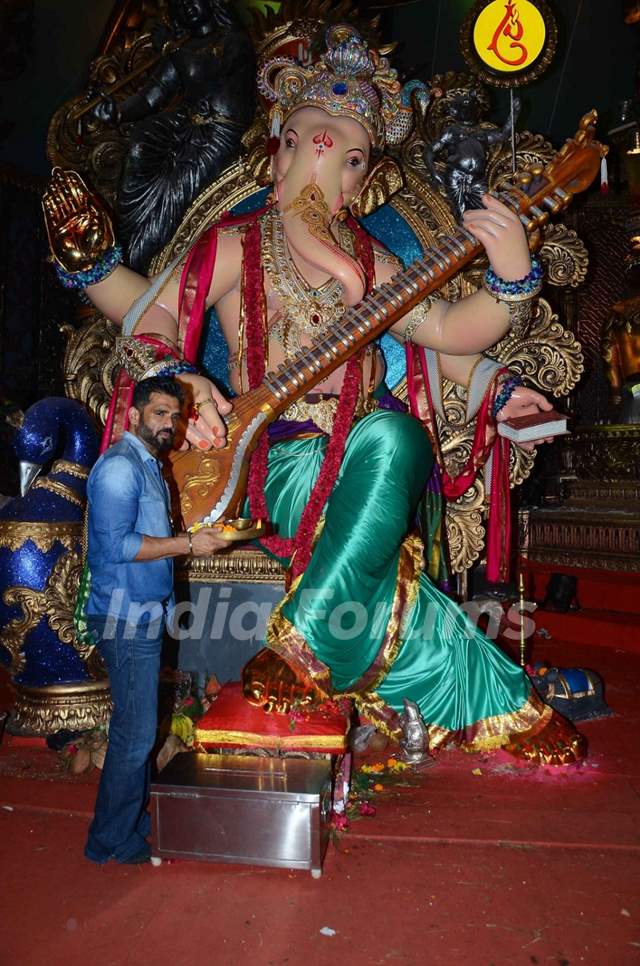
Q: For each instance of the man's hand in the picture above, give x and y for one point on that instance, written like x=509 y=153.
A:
x=206 y=426
x=78 y=224
x=207 y=541
x=500 y=231
x=524 y=402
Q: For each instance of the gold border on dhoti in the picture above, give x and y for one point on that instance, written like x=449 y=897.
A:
x=248 y=739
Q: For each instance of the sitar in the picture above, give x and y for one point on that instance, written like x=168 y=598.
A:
x=212 y=485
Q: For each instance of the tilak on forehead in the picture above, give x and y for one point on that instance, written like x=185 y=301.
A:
x=350 y=80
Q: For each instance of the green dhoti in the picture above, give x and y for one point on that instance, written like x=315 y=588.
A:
x=363 y=619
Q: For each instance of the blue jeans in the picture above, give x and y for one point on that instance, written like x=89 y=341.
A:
x=132 y=657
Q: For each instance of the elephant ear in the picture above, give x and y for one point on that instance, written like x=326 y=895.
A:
x=384 y=179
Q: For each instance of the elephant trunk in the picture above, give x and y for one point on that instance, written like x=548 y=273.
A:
x=308 y=210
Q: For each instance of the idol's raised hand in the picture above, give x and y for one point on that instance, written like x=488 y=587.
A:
x=500 y=231
x=78 y=224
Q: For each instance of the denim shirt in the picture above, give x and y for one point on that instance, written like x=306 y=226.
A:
x=127 y=499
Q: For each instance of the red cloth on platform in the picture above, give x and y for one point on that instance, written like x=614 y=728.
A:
x=231 y=722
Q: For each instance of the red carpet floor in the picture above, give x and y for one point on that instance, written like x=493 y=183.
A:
x=509 y=866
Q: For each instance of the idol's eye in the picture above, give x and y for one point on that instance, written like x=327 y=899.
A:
x=290 y=141
x=355 y=161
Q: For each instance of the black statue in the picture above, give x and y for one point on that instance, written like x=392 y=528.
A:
x=465 y=142
x=174 y=154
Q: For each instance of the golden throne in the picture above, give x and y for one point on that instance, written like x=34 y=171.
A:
x=548 y=357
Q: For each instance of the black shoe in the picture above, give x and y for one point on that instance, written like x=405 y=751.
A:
x=142 y=858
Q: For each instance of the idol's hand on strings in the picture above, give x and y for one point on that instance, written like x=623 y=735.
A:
x=500 y=231
x=524 y=402
x=78 y=224
x=206 y=427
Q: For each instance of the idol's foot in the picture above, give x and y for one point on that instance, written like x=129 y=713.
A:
x=556 y=743
x=269 y=683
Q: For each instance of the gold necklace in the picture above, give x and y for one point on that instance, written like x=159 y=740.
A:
x=305 y=311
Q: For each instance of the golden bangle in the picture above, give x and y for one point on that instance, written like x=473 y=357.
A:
x=417 y=316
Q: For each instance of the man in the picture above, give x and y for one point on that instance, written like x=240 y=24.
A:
x=130 y=551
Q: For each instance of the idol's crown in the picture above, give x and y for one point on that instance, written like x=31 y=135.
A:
x=350 y=80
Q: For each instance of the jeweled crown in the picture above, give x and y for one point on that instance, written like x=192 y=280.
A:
x=350 y=79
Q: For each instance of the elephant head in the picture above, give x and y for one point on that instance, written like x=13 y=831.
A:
x=318 y=170
x=325 y=120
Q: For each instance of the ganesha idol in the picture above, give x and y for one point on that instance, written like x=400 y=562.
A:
x=338 y=467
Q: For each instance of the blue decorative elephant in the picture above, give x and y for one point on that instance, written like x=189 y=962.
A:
x=59 y=683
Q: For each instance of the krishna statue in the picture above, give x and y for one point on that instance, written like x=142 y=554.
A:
x=340 y=475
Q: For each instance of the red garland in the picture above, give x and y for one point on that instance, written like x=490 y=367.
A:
x=297 y=549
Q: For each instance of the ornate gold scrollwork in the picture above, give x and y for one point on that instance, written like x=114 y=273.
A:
x=530 y=149
x=240 y=563
x=88 y=369
x=62 y=707
x=564 y=255
x=14 y=634
x=15 y=533
x=548 y=356
x=465 y=516
x=383 y=181
x=56 y=602
x=198 y=485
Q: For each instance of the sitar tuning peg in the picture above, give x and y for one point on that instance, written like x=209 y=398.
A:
x=530 y=224
x=541 y=217
x=564 y=197
x=552 y=204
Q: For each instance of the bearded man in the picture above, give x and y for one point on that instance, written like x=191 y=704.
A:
x=130 y=550
x=340 y=475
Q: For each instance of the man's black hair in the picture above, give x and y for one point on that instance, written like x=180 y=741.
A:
x=164 y=384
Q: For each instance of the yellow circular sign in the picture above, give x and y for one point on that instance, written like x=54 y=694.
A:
x=509 y=35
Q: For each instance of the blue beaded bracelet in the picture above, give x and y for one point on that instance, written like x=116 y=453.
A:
x=505 y=393
x=176 y=367
x=529 y=285
x=105 y=265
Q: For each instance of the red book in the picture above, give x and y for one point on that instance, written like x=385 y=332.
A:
x=522 y=429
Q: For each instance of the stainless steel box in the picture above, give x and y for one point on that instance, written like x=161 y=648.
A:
x=235 y=808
